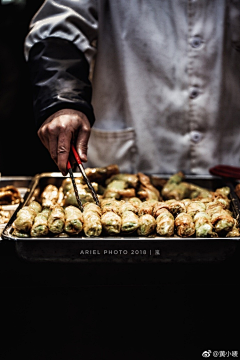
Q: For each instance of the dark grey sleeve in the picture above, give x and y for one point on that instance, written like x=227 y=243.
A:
x=59 y=75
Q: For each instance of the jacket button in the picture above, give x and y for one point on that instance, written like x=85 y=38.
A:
x=196 y=136
x=194 y=92
x=196 y=42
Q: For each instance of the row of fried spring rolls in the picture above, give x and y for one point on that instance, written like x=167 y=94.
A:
x=50 y=217
x=186 y=217
x=206 y=218
x=113 y=217
x=37 y=221
x=189 y=217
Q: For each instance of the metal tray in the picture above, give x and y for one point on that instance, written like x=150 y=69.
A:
x=123 y=249
x=22 y=183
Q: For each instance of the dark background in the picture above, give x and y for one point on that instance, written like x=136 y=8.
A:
x=21 y=152
x=97 y=311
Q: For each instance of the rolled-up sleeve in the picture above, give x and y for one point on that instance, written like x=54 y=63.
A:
x=72 y=20
x=59 y=49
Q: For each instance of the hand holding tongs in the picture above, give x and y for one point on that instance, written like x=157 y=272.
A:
x=79 y=162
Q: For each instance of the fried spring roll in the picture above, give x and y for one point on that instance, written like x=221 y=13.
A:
x=198 y=192
x=165 y=223
x=92 y=207
x=130 y=179
x=205 y=200
x=175 y=207
x=194 y=207
x=135 y=201
x=146 y=190
x=179 y=191
x=157 y=209
x=130 y=221
x=146 y=207
x=127 y=206
x=186 y=201
x=223 y=201
x=40 y=225
x=225 y=191
x=25 y=217
x=127 y=193
x=203 y=225
x=147 y=225
x=56 y=220
x=67 y=184
x=74 y=220
x=84 y=194
x=222 y=221
x=35 y=206
x=114 y=187
x=20 y=233
x=111 y=222
x=213 y=207
x=117 y=189
x=184 y=225
x=92 y=225
x=171 y=184
x=102 y=173
x=60 y=196
x=49 y=195
x=110 y=205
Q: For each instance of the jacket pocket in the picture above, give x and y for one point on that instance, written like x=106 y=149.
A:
x=112 y=147
x=234 y=17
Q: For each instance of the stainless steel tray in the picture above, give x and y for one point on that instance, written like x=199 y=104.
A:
x=22 y=183
x=123 y=249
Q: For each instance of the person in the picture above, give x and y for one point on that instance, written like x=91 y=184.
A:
x=155 y=82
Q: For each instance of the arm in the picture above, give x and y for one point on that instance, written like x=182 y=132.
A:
x=58 y=50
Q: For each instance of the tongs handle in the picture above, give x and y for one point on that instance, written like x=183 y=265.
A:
x=77 y=157
x=69 y=165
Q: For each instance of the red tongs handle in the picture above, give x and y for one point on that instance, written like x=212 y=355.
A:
x=77 y=157
x=68 y=165
x=226 y=171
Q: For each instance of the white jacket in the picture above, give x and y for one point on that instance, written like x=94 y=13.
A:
x=166 y=79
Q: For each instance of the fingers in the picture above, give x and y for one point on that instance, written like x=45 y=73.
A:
x=63 y=150
x=82 y=141
x=56 y=138
x=57 y=132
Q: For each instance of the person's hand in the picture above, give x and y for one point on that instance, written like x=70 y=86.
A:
x=59 y=130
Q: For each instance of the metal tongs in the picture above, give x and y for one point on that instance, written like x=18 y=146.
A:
x=79 y=162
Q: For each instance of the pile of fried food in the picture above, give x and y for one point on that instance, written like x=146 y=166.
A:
x=9 y=195
x=4 y=216
x=129 y=204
